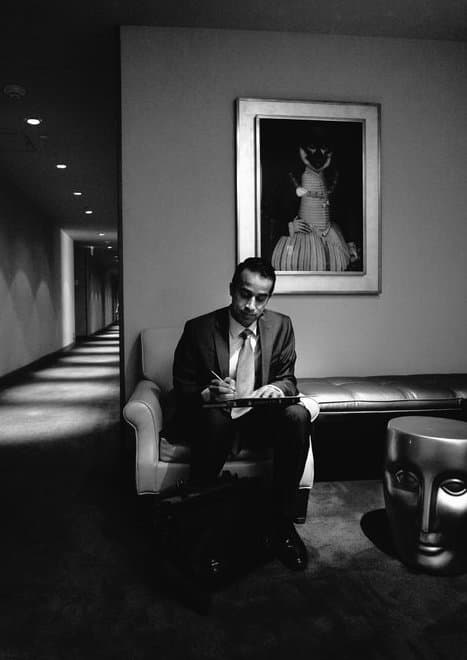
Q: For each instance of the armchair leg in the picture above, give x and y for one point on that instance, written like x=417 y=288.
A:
x=301 y=505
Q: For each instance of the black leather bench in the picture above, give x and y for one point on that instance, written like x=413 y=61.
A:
x=348 y=436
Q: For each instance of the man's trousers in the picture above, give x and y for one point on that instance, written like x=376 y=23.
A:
x=286 y=429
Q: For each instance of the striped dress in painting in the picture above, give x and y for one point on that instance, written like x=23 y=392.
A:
x=324 y=247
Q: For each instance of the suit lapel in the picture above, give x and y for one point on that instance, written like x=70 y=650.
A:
x=266 y=340
x=221 y=340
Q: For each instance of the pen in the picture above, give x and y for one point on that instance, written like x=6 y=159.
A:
x=221 y=379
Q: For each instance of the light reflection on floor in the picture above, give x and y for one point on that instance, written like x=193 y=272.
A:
x=91 y=346
x=45 y=423
x=68 y=391
x=97 y=358
x=95 y=350
x=76 y=373
x=66 y=398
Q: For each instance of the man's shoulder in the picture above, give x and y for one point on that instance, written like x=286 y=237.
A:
x=209 y=319
x=276 y=318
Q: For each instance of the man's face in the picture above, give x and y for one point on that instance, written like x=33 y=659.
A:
x=425 y=488
x=249 y=297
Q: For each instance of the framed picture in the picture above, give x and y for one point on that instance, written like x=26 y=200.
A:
x=308 y=193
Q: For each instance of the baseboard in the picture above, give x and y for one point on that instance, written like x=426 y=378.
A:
x=13 y=376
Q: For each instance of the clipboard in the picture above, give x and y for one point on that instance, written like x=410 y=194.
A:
x=253 y=402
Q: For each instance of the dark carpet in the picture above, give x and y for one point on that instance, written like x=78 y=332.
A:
x=82 y=578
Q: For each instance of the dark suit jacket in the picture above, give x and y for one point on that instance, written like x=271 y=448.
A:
x=204 y=345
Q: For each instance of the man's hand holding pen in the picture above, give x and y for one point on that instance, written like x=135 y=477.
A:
x=221 y=389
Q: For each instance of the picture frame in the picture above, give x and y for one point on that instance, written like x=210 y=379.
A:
x=308 y=193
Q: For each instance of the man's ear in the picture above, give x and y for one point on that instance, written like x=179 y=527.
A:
x=231 y=289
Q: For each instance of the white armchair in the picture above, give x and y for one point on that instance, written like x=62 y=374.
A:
x=160 y=464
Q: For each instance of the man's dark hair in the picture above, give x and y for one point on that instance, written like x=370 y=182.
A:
x=255 y=265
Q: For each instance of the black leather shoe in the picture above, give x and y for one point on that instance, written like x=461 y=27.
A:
x=290 y=549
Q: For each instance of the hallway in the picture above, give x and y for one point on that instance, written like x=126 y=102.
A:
x=60 y=422
x=66 y=503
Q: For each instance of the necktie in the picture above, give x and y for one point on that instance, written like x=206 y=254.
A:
x=245 y=377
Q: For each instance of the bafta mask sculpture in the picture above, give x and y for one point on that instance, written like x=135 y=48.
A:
x=425 y=491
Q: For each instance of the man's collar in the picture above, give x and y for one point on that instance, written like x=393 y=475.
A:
x=235 y=328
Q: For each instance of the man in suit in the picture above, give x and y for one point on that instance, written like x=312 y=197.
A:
x=252 y=350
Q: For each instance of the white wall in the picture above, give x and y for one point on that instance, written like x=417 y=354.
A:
x=178 y=92
x=93 y=292
x=30 y=294
x=67 y=288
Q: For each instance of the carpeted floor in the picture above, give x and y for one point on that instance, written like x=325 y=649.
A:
x=81 y=577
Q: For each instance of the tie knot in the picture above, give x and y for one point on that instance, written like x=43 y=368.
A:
x=246 y=333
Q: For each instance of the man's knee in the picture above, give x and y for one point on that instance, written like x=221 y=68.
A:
x=214 y=418
x=296 y=415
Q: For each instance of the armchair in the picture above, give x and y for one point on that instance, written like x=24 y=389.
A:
x=160 y=464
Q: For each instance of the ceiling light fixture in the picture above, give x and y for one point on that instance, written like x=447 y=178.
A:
x=60 y=166
x=101 y=233
x=77 y=193
x=109 y=247
x=88 y=212
x=33 y=121
x=14 y=91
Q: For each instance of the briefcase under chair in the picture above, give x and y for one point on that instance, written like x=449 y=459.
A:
x=226 y=520
x=161 y=464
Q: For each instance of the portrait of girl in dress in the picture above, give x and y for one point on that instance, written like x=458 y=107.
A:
x=311 y=176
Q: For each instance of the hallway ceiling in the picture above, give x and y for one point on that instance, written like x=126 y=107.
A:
x=65 y=55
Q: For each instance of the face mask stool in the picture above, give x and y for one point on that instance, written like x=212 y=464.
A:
x=425 y=491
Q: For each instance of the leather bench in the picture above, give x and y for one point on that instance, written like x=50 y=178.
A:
x=348 y=436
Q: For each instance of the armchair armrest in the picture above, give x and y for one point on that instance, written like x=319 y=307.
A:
x=144 y=413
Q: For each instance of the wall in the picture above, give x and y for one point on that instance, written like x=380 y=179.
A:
x=178 y=139
x=30 y=292
x=67 y=288
x=100 y=300
x=94 y=294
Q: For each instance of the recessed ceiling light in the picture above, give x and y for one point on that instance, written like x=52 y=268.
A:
x=61 y=166
x=14 y=91
x=77 y=193
x=88 y=212
x=33 y=121
x=101 y=233
x=109 y=247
